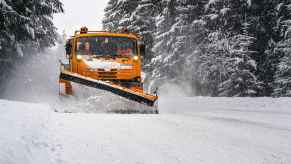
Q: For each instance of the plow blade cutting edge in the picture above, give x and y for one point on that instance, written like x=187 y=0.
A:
x=140 y=97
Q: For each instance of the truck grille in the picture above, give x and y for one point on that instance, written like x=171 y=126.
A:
x=107 y=75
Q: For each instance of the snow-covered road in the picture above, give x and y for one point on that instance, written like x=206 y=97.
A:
x=188 y=130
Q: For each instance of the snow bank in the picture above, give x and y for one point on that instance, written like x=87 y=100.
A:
x=24 y=134
x=269 y=113
x=195 y=104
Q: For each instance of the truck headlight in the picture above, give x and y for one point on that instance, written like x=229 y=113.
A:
x=79 y=57
x=135 y=58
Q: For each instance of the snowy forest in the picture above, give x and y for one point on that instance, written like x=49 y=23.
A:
x=26 y=27
x=219 y=47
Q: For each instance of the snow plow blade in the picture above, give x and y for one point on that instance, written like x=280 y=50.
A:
x=137 y=96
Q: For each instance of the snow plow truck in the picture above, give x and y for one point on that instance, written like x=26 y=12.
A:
x=109 y=61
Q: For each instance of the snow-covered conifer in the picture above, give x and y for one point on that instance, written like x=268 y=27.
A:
x=282 y=76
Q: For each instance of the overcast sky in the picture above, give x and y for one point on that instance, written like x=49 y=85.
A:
x=80 y=13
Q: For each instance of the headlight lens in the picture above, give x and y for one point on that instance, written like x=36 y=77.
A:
x=79 y=57
x=135 y=58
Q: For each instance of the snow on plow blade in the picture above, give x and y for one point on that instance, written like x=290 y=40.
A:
x=137 y=96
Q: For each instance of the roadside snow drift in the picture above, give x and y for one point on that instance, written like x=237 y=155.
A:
x=189 y=130
x=24 y=135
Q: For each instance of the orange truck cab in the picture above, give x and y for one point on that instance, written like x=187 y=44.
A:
x=106 y=56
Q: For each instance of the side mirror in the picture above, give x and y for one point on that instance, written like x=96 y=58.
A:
x=68 y=48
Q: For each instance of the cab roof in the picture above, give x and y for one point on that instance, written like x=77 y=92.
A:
x=106 y=33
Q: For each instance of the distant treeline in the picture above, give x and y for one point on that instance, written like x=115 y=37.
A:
x=220 y=47
x=25 y=28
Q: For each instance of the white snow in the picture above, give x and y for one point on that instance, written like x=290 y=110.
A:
x=224 y=10
x=5 y=5
x=249 y=2
x=107 y=65
x=188 y=130
x=24 y=135
x=210 y=2
x=19 y=50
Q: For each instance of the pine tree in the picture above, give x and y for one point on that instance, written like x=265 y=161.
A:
x=28 y=22
x=178 y=34
x=118 y=14
x=263 y=18
x=226 y=64
x=282 y=83
x=241 y=80
x=226 y=15
x=212 y=64
x=25 y=26
x=111 y=18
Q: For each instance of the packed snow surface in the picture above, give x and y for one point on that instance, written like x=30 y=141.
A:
x=188 y=130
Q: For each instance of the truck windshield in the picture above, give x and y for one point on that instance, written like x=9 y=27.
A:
x=106 y=45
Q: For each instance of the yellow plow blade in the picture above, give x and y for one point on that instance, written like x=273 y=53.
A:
x=134 y=95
